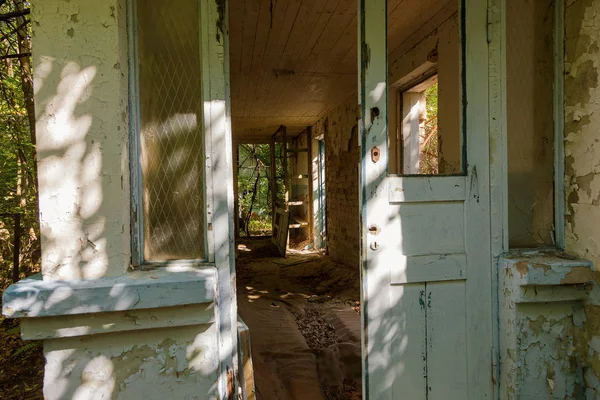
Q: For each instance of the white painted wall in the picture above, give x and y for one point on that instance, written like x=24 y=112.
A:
x=80 y=83
x=181 y=350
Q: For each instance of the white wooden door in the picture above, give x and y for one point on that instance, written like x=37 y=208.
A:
x=426 y=261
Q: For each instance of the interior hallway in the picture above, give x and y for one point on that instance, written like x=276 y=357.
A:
x=302 y=312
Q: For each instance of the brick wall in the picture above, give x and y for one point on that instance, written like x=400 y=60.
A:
x=340 y=129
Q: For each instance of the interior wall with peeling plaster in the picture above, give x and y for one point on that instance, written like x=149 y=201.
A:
x=81 y=97
x=148 y=364
x=342 y=155
x=582 y=155
x=582 y=127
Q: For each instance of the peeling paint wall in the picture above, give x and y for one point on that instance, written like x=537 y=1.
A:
x=551 y=343
x=582 y=127
x=80 y=55
x=80 y=83
x=153 y=364
x=543 y=329
x=342 y=155
x=582 y=152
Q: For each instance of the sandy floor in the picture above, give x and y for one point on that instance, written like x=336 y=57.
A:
x=302 y=312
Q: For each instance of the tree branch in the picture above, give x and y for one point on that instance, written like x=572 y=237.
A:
x=15 y=55
x=15 y=30
x=14 y=14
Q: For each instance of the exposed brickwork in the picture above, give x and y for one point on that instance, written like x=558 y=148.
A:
x=340 y=129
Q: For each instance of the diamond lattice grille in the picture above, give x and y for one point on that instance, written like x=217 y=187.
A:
x=171 y=136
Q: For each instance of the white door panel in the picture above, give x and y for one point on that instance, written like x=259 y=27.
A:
x=426 y=262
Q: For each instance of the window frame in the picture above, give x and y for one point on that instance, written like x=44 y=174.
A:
x=400 y=87
x=137 y=219
x=400 y=112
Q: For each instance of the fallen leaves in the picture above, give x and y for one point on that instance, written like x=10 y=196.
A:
x=21 y=364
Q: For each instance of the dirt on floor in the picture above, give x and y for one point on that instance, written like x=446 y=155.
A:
x=303 y=315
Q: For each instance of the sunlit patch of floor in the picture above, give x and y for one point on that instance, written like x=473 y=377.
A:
x=302 y=312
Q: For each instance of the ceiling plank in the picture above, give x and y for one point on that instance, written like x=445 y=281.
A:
x=293 y=60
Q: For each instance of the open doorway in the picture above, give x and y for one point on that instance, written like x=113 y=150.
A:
x=294 y=87
x=254 y=188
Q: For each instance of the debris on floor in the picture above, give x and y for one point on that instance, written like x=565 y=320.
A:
x=303 y=316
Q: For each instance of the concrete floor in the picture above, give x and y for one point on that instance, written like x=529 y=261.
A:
x=302 y=313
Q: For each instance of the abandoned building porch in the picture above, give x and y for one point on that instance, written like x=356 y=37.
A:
x=306 y=199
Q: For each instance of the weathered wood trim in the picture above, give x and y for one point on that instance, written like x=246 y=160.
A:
x=476 y=121
x=309 y=197
x=498 y=162
x=137 y=213
x=373 y=96
x=559 y=124
x=429 y=268
x=423 y=189
x=273 y=180
x=235 y=149
x=140 y=289
x=214 y=57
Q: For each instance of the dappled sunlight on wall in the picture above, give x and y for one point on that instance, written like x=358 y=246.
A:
x=70 y=173
x=81 y=104
x=112 y=366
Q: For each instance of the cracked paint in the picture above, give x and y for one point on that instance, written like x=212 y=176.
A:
x=81 y=83
x=582 y=141
x=544 y=326
x=110 y=366
x=582 y=164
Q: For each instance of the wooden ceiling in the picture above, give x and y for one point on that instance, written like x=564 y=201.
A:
x=294 y=60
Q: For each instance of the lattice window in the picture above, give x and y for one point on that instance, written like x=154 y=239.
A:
x=172 y=151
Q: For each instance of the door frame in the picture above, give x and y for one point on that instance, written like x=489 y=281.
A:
x=476 y=119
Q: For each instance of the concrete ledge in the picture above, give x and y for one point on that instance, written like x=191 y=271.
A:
x=548 y=268
x=542 y=340
x=66 y=326
x=137 y=290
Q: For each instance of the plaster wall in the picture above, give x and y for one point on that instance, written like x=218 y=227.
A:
x=582 y=125
x=80 y=84
x=342 y=154
x=150 y=364
x=80 y=56
x=542 y=325
x=582 y=152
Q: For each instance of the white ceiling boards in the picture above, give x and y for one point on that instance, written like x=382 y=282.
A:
x=291 y=61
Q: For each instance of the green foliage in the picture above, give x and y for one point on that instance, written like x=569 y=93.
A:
x=430 y=146
x=18 y=181
x=27 y=348
x=254 y=189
